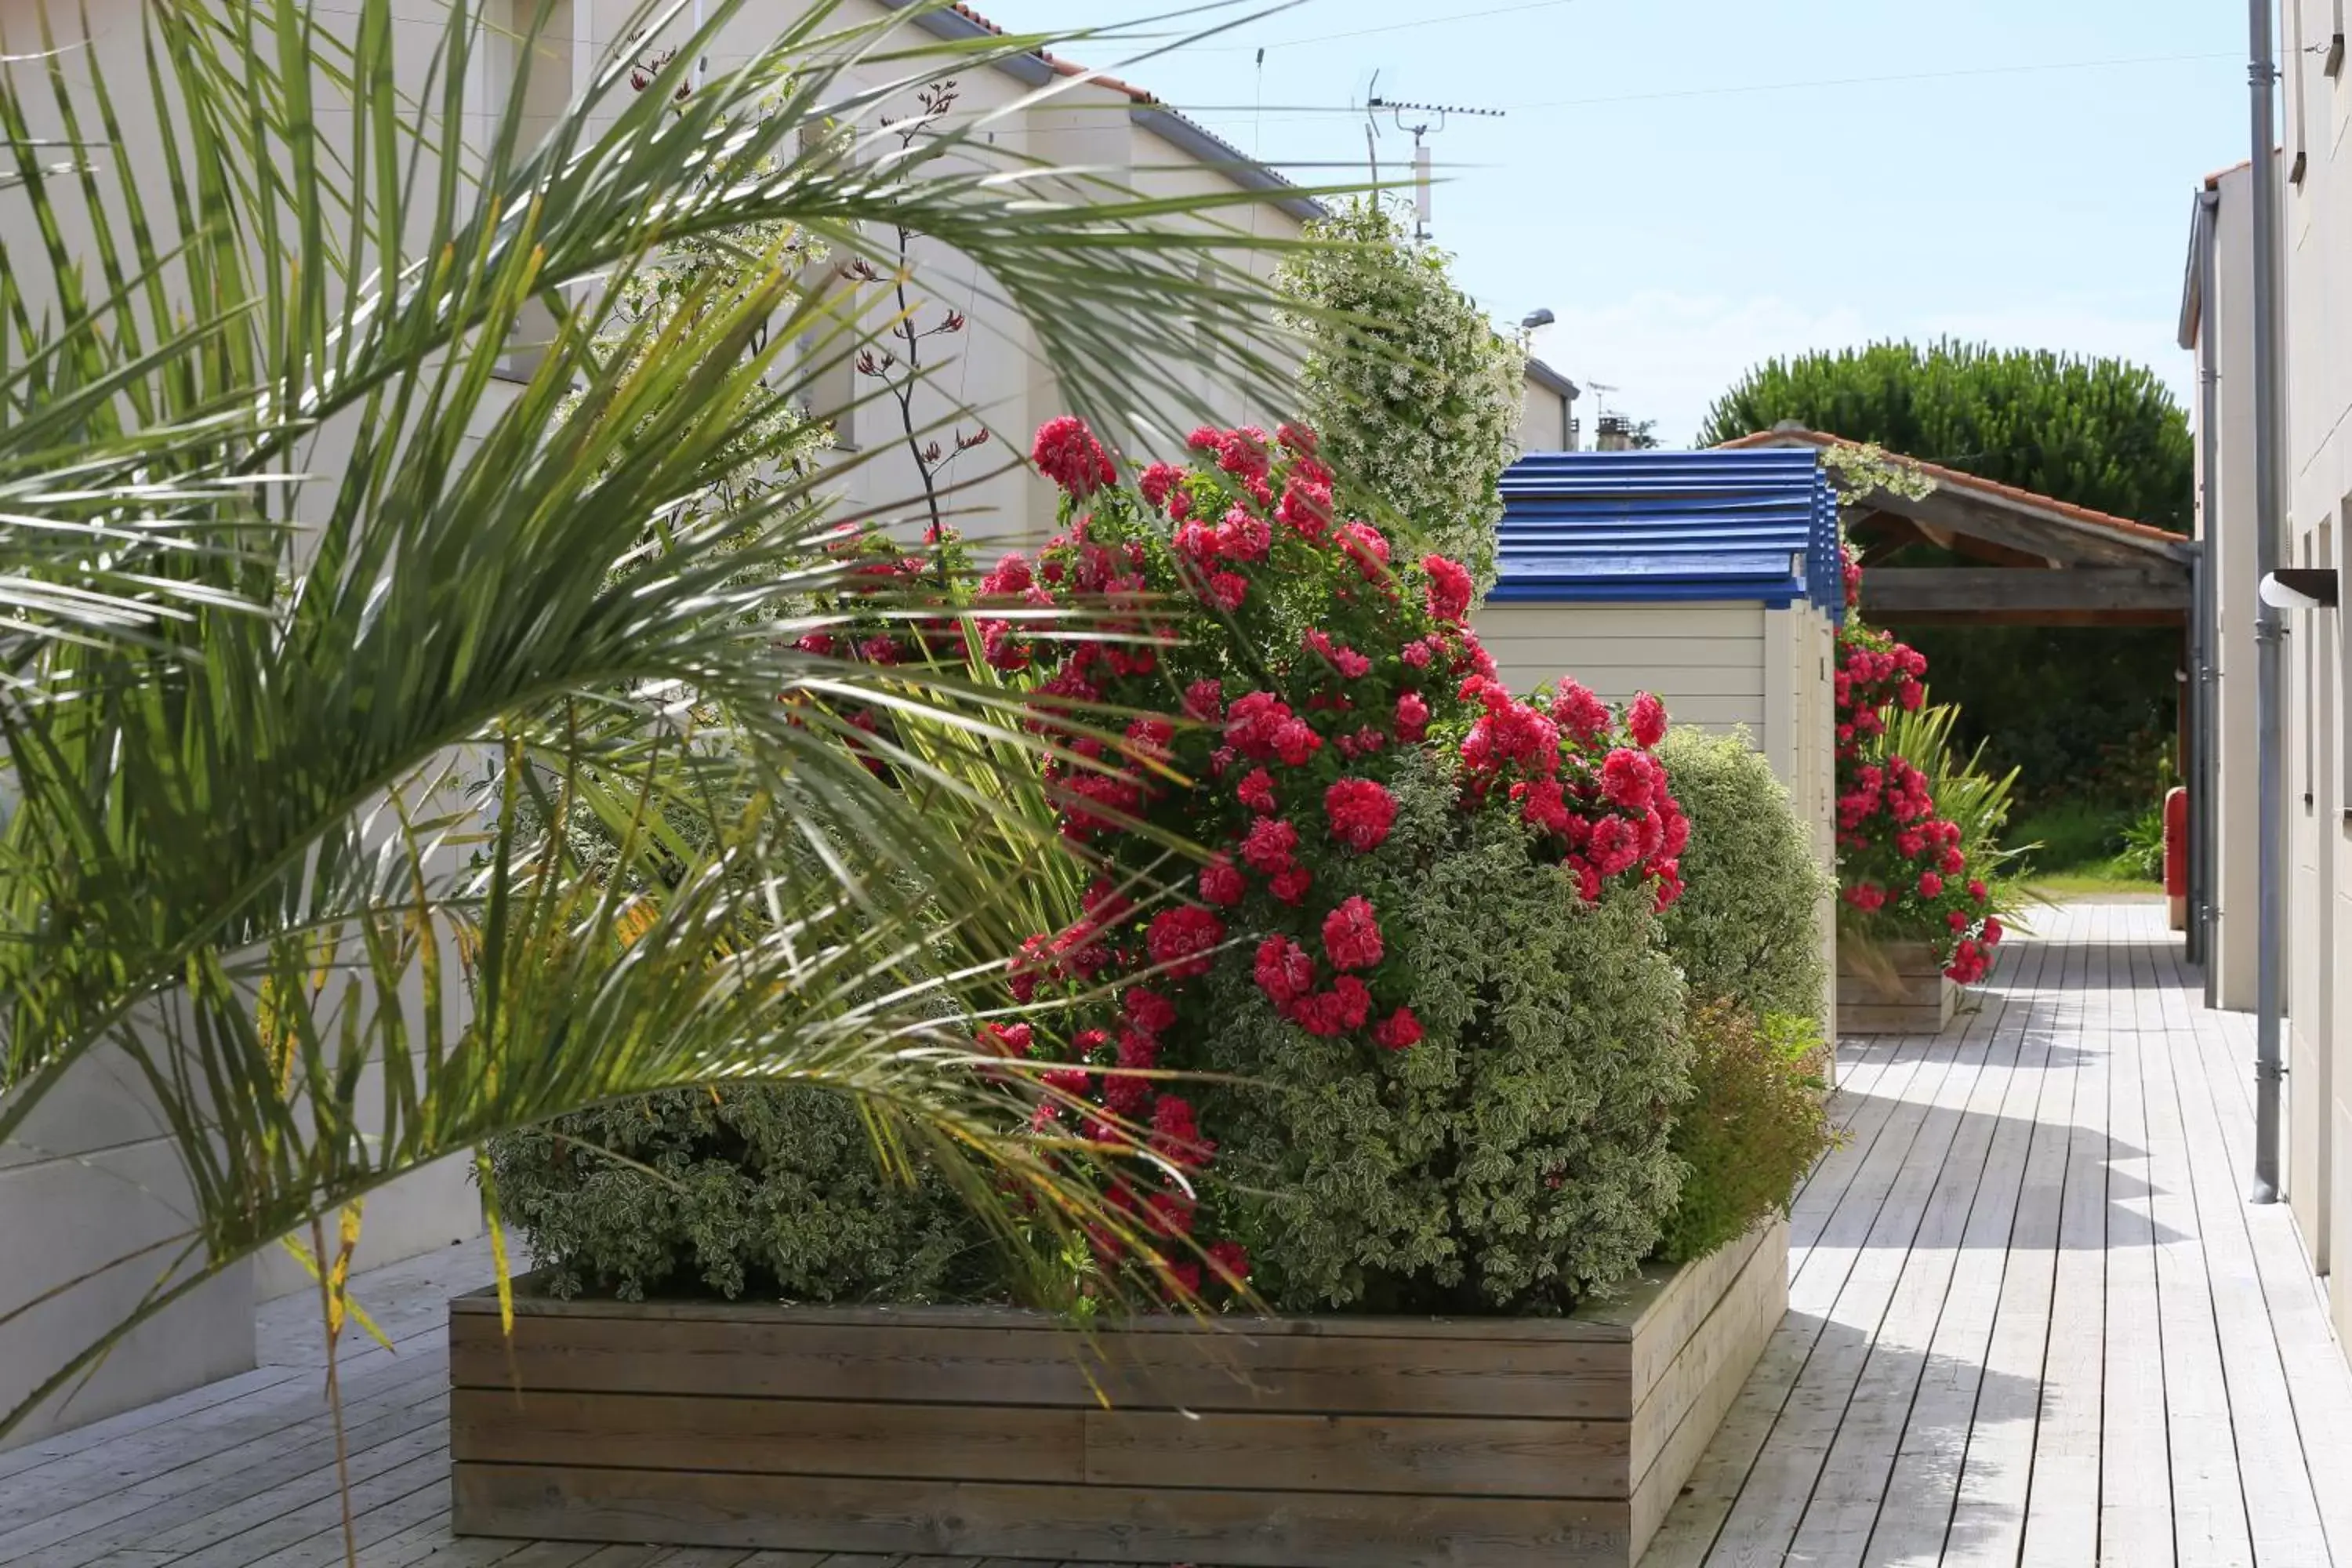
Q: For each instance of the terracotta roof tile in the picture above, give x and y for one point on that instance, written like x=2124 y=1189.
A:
x=1959 y=480
x=2214 y=181
x=1143 y=98
x=1061 y=67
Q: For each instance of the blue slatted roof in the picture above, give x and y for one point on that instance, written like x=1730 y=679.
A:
x=1666 y=526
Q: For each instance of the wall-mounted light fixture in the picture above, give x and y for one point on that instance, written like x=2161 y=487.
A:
x=2302 y=588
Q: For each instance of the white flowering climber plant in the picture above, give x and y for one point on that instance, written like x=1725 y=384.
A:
x=1416 y=395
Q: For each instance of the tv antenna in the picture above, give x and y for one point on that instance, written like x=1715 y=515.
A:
x=1420 y=129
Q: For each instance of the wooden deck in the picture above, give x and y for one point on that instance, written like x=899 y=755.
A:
x=2031 y=1320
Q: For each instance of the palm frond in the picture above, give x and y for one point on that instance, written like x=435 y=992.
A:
x=345 y=564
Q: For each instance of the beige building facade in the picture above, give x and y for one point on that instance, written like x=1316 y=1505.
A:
x=2314 y=247
x=2217 y=325
x=2316 y=212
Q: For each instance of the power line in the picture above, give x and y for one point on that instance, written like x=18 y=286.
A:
x=1386 y=28
x=1299 y=110
x=1873 y=80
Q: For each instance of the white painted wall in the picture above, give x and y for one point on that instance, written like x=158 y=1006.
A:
x=2316 y=215
x=2229 y=535
x=89 y=1180
x=1544 y=418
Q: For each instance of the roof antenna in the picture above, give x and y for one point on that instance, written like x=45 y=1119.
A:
x=1422 y=163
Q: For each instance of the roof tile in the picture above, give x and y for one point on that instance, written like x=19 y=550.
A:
x=1962 y=481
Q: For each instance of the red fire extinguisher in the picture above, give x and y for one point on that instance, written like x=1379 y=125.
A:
x=2175 y=857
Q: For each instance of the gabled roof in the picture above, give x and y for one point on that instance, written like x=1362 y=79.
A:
x=1649 y=527
x=1551 y=381
x=2026 y=559
x=1189 y=136
x=2067 y=516
x=2192 y=281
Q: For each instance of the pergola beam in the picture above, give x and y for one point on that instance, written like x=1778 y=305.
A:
x=1894 y=592
x=2044 y=535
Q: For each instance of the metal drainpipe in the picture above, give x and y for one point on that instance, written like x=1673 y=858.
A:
x=2268 y=734
x=2204 y=775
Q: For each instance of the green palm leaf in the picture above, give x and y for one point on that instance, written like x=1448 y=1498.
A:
x=323 y=623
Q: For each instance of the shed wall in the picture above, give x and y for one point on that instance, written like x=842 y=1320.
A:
x=1721 y=666
x=1703 y=661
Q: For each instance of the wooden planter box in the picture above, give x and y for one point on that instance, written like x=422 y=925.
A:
x=1294 y=1442
x=1898 y=989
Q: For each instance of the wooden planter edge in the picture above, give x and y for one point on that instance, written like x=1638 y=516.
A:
x=1289 y=1443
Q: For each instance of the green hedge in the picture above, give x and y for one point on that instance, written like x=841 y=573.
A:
x=1752 y=1129
x=1525 y=1154
x=749 y=1190
x=1746 y=928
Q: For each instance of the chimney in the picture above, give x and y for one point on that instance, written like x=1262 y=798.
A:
x=1614 y=433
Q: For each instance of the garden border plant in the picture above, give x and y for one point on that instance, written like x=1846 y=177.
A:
x=1426 y=945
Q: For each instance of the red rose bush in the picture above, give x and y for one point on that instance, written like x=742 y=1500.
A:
x=1903 y=867
x=1427 y=931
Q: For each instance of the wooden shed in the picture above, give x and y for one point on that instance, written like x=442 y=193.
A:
x=1712 y=579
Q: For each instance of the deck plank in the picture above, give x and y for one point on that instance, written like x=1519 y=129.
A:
x=2134 y=1458
x=2061 y=1519
x=1693 y=1527
x=2321 y=1381
x=1844 y=1510
x=85 y=1533
x=1996 y=1474
x=1764 y=1522
x=2281 y=1512
x=1916 y=1513
x=2209 y=1510
x=2031 y=1320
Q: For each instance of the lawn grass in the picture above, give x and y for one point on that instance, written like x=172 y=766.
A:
x=2074 y=855
x=2088 y=887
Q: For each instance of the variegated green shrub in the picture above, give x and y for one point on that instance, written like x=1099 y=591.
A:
x=1746 y=928
x=1513 y=1160
x=743 y=1189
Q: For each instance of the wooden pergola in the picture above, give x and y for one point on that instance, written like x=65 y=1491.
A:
x=2032 y=559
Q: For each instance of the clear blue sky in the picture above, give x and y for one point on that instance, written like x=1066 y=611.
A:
x=1666 y=186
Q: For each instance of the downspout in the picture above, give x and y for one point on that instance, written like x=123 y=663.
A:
x=2269 y=627
x=2205 y=690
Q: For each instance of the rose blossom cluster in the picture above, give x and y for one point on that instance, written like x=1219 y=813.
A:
x=1285 y=666
x=889 y=607
x=1600 y=797
x=1899 y=860
x=1875 y=673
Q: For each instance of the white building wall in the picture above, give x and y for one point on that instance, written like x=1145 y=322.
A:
x=2316 y=217
x=1544 y=419
x=2229 y=537
x=87 y=1184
